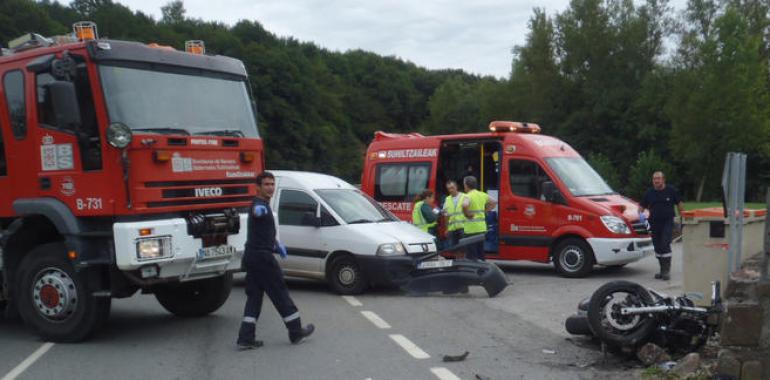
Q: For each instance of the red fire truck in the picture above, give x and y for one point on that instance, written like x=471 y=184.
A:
x=123 y=166
x=552 y=206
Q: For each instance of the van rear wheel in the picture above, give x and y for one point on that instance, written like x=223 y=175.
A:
x=573 y=258
x=346 y=276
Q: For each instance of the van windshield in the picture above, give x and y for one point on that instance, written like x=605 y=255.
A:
x=580 y=178
x=354 y=206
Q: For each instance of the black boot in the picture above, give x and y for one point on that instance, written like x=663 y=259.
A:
x=246 y=334
x=659 y=275
x=297 y=333
x=665 y=268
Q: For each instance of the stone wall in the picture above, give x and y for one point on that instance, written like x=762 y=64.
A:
x=745 y=331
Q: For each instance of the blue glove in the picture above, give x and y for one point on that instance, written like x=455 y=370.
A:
x=642 y=218
x=281 y=249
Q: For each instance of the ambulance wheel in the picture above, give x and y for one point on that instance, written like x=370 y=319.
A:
x=573 y=258
x=195 y=298
x=52 y=298
x=346 y=276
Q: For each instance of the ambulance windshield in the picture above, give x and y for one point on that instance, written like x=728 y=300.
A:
x=580 y=178
x=355 y=207
x=171 y=102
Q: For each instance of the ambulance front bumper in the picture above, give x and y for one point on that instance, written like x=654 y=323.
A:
x=620 y=251
x=169 y=252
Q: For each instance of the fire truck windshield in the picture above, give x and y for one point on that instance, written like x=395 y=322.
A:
x=177 y=102
x=580 y=178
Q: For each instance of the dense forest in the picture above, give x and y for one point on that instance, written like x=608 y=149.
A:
x=632 y=85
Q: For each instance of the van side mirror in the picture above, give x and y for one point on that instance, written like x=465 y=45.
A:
x=310 y=219
x=551 y=193
x=65 y=104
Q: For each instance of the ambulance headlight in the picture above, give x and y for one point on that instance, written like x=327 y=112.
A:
x=153 y=248
x=615 y=224
x=391 y=249
x=119 y=135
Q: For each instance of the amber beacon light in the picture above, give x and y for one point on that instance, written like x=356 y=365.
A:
x=85 y=30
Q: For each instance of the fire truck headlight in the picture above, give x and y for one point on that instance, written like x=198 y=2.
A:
x=119 y=135
x=153 y=248
x=391 y=249
x=615 y=225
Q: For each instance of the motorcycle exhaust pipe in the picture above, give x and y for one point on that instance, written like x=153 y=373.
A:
x=660 y=309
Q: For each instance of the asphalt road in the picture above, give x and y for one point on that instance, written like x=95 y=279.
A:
x=379 y=335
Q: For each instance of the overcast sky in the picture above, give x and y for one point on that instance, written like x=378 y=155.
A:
x=475 y=35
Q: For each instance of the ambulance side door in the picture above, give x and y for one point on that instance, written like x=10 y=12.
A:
x=526 y=219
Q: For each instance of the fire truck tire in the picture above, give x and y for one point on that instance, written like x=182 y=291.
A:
x=52 y=298
x=346 y=276
x=573 y=258
x=195 y=298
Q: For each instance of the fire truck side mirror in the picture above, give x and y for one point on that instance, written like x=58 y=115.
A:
x=65 y=104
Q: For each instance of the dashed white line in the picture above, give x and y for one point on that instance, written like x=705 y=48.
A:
x=409 y=347
x=374 y=318
x=28 y=362
x=444 y=374
x=353 y=301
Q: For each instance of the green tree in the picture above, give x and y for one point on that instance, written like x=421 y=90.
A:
x=173 y=12
x=640 y=174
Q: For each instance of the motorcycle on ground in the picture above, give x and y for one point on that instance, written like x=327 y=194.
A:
x=625 y=314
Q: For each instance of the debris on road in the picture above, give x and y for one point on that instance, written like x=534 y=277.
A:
x=455 y=358
x=689 y=364
x=549 y=352
x=651 y=354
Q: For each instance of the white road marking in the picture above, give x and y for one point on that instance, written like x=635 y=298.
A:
x=353 y=301
x=409 y=347
x=28 y=362
x=444 y=374
x=374 y=318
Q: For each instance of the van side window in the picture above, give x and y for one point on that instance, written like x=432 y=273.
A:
x=526 y=178
x=293 y=205
x=13 y=85
x=401 y=182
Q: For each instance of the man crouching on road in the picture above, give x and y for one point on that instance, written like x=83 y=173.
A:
x=263 y=274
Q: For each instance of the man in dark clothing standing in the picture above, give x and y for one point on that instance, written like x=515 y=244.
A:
x=660 y=201
x=263 y=274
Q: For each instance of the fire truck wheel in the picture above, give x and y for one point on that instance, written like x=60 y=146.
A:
x=346 y=276
x=52 y=298
x=573 y=258
x=195 y=298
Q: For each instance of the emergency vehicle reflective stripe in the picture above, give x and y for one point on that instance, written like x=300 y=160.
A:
x=455 y=212
x=478 y=224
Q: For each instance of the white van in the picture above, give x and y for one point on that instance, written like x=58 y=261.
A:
x=334 y=232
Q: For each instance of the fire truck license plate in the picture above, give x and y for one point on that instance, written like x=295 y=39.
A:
x=217 y=252
x=435 y=264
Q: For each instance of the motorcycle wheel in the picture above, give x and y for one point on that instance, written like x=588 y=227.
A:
x=609 y=325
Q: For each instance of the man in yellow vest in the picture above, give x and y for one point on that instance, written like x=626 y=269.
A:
x=423 y=216
x=475 y=208
x=453 y=208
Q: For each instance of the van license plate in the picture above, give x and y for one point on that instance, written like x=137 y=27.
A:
x=218 y=252
x=435 y=264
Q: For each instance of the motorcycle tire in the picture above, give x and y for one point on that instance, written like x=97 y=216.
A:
x=618 y=330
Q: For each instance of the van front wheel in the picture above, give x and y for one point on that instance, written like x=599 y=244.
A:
x=573 y=258
x=346 y=276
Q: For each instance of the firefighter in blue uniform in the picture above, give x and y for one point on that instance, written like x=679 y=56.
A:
x=263 y=274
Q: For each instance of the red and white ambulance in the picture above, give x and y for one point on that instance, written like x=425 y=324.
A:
x=552 y=206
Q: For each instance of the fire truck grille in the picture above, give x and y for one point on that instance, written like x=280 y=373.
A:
x=201 y=192
x=640 y=228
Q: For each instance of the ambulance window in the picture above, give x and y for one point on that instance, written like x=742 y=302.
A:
x=526 y=178
x=401 y=182
x=293 y=205
x=13 y=84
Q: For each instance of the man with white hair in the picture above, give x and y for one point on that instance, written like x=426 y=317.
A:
x=660 y=201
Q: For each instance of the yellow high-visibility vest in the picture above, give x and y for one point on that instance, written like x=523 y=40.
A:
x=477 y=207
x=455 y=212
x=418 y=220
